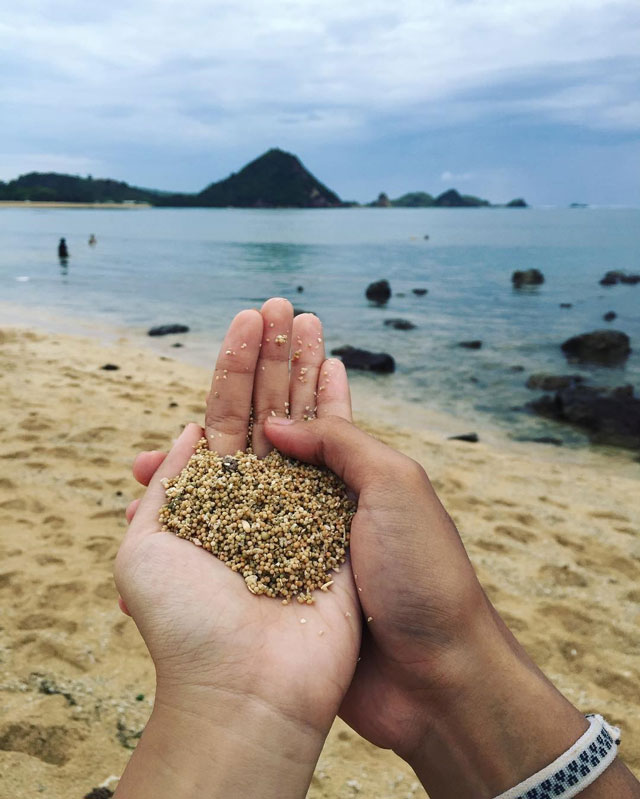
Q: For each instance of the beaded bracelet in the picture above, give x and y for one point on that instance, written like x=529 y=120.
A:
x=574 y=770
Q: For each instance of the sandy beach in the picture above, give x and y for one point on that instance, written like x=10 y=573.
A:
x=45 y=204
x=555 y=538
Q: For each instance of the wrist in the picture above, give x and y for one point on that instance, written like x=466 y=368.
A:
x=496 y=721
x=220 y=743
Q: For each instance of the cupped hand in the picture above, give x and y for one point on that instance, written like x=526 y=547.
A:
x=418 y=590
x=207 y=634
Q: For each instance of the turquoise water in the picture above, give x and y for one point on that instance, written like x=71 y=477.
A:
x=200 y=266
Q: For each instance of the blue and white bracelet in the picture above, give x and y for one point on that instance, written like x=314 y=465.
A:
x=574 y=770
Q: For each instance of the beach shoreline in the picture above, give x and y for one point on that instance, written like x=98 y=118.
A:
x=371 y=398
x=555 y=541
x=98 y=206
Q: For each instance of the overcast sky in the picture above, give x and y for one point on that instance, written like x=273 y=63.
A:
x=501 y=98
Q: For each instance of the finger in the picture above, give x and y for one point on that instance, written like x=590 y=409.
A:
x=271 y=388
x=123 y=607
x=132 y=507
x=146 y=516
x=334 y=397
x=145 y=465
x=307 y=356
x=229 y=401
x=356 y=457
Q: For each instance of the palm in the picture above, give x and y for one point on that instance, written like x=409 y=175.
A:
x=195 y=614
x=199 y=619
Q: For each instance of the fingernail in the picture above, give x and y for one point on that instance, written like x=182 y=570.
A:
x=280 y=420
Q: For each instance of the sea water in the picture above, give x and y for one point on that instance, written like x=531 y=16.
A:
x=200 y=266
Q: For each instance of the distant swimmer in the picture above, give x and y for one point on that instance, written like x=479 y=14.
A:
x=63 y=252
x=92 y=240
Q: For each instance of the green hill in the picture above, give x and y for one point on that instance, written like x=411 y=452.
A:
x=453 y=199
x=414 y=199
x=274 y=180
x=54 y=187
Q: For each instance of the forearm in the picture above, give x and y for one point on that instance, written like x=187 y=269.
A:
x=234 y=746
x=501 y=722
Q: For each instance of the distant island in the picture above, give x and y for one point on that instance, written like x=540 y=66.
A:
x=276 y=179
x=448 y=199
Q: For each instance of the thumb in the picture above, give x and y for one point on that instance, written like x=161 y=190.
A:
x=355 y=456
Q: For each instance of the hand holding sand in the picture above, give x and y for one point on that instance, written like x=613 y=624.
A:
x=441 y=680
x=231 y=665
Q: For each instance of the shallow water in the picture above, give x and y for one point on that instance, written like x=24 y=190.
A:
x=200 y=266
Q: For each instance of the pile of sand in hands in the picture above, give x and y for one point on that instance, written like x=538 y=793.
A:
x=283 y=524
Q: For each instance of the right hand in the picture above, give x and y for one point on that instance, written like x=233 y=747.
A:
x=416 y=585
x=441 y=680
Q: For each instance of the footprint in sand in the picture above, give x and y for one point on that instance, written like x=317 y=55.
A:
x=53 y=744
x=570 y=543
x=94 y=434
x=84 y=482
x=106 y=590
x=562 y=576
x=609 y=515
x=48 y=560
x=60 y=596
x=619 y=685
x=41 y=621
x=103 y=545
x=490 y=546
x=519 y=534
x=54 y=521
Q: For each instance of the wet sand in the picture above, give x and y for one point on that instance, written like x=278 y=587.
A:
x=555 y=537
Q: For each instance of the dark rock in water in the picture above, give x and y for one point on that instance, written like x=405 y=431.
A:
x=99 y=793
x=557 y=442
x=298 y=311
x=604 y=347
x=166 y=330
x=472 y=438
x=420 y=292
x=378 y=292
x=516 y=368
x=399 y=324
x=615 y=276
x=110 y=367
x=300 y=289
x=610 y=316
x=354 y=358
x=610 y=279
x=566 y=305
x=527 y=277
x=400 y=294
x=177 y=344
x=474 y=344
x=610 y=416
x=547 y=382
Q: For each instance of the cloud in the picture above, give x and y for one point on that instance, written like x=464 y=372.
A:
x=100 y=80
x=457 y=177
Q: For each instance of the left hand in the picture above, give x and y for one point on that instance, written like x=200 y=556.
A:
x=218 y=650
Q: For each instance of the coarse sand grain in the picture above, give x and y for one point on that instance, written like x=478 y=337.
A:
x=282 y=524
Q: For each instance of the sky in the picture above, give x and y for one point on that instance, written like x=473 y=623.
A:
x=499 y=98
